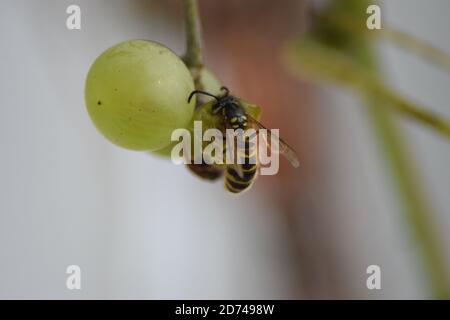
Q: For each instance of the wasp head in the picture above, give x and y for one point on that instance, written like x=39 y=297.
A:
x=224 y=101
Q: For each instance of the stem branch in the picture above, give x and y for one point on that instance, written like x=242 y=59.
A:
x=311 y=58
x=193 y=55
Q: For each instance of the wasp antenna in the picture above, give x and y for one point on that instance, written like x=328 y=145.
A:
x=225 y=89
x=201 y=92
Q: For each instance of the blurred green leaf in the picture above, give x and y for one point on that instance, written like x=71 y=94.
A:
x=317 y=61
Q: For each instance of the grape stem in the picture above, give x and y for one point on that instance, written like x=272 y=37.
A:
x=193 y=55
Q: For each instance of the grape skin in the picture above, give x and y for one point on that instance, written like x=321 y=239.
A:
x=136 y=94
x=209 y=83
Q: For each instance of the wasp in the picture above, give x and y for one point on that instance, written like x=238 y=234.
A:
x=233 y=115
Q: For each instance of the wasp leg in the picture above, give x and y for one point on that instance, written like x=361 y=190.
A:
x=206 y=171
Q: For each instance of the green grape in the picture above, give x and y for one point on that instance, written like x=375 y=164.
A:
x=136 y=94
x=209 y=83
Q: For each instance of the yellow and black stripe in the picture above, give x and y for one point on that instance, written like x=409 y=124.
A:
x=235 y=183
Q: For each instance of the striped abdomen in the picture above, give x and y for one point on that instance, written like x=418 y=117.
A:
x=235 y=183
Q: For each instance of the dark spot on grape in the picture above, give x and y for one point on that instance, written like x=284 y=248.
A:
x=161 y=51
x=115 y=89
x=99 y=103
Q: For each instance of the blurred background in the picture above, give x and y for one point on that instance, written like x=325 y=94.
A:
x=140 y=227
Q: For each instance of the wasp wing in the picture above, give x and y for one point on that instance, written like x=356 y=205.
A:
x=236 y=167
x=232 y=147
x=283 y=147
